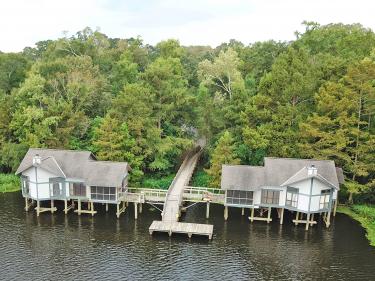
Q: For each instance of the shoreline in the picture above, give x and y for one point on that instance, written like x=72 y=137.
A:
x=9 y=183
x=366 y=221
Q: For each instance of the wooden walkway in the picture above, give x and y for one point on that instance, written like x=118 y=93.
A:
x=173 y=201
x=182 y=227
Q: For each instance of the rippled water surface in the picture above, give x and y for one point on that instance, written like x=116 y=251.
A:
x=59 y=247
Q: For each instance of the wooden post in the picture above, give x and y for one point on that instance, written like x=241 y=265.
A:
x=307 y=221
x=226 y=213
x=66 y=206
x=52 y=206
x=37 y=208
x=282 y=216
x=92 y=208
x=118 y=210
x=335 y=207
x=135 y=210
x=26 y=204
x=297 y=218
x=106 y=207
x=269 y=215
x=252 y=214
x=79 y=207
x=207 y=210
x=140 y=208
x=242 y=211
x=328 y=221
x=312 y=219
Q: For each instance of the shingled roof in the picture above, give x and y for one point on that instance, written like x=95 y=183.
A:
x=278 y=172
x=80 y=165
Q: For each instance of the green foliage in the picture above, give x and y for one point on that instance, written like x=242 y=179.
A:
x=201 y=178
x=222 y=154
x=127 y=101
x=9 y=183
x=159 y=182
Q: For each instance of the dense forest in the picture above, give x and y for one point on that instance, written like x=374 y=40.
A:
x=125 y=100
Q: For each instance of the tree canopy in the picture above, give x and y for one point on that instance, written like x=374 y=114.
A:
x=129 y=101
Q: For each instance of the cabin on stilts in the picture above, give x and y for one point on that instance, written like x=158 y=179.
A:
x=306 y=187
x=74 y=177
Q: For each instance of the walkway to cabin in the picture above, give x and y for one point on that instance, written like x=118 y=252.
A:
x=173 y=202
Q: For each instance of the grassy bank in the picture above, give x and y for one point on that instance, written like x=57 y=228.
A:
x=365 y=214
x=9 y=183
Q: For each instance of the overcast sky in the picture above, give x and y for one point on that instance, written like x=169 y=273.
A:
x=193 y=22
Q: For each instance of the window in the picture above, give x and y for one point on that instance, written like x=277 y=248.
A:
x=103 y=193
x=26 y=184
x=270 y=196
x=324 y=199
x=292 y=197
x=240 y=197
x=77 y=189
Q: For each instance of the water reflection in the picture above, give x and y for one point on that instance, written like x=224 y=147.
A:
x=103 y=247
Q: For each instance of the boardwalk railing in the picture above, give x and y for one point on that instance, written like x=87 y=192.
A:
x=198 y=194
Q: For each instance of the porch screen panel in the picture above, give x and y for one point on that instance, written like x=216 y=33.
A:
x=270 y=196
x=77 y=189
x=103 y=193
x=239 y=197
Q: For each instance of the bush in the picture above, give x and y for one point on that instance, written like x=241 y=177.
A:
x=9 y=183
x=158 y=183
x=200 y=178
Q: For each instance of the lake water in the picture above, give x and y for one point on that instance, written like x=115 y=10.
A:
x=59 y=247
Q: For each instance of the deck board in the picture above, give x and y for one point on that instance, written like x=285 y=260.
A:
x=182 y=227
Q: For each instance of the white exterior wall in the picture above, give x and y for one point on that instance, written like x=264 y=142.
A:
x=257 y=197
x=303 y=199
x=43 y=191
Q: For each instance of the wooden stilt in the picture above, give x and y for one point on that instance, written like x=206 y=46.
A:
x=328 y=220
x=307 y=221
x=65 y=206
x=252 y=214
x=140 y=208
x=106 y=207
x=52 y=206
x=207 y=210
x=242 y=211
x=135 y=210
x=282 y=216
x=118 y=210
x=297 y=218
x=37 y=208
x=312 y=219
x=269 y=215
x=26 y=204
x=226 y=213
x=79 y=207
x=92 y=209
x=335 y=206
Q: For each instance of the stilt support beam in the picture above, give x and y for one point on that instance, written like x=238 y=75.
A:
x=225 y=212
x=282 y=216
x=207 y=210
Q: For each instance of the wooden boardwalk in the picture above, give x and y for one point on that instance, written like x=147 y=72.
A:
x=173 y=201
x=182 y=227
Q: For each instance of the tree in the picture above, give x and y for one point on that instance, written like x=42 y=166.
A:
x=223 y=73
x=342 y=129
x=113 y=142
x=222 y=154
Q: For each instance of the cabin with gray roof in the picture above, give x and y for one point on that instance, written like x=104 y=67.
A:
x=52 y=174
x=304 y=186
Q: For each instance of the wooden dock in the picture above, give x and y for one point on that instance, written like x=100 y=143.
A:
x=182 y=227
x=174 y=199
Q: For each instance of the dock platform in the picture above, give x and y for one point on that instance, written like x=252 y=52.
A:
x=182 y=227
